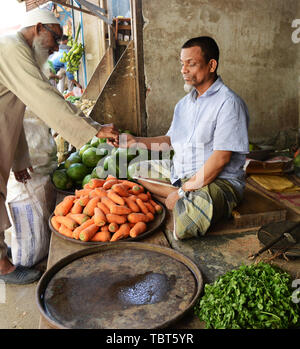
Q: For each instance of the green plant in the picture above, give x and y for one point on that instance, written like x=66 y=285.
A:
x=258 y=296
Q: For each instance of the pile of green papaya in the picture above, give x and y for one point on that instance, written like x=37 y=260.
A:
x=98 y=159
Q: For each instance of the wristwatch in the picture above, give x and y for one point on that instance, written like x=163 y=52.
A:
x=181 y=192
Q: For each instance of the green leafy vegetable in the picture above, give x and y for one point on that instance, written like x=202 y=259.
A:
x=258 y=296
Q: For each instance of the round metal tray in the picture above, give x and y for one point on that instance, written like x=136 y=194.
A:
x=125 y=285
x=152 y=227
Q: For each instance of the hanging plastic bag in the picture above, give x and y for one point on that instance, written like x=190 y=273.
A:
x=77 y=91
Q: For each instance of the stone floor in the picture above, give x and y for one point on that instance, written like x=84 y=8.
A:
x=18 y=309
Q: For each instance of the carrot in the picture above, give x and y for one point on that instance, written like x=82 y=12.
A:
x=92 y=194
x=104 y=228
x=102 y=236
x=83 y=200
x=65 y=231
x=77 y=230
x=132 y=225
x=64 y=207
x=113 y=227
x=82 y=192
x=96 y=183
x=143 y=197
x=133 y=197
x=99 y=217
x=137 y=217
x=87 y=186
x=79 y=218
x=115 y=198
x=109 y=183
x=90 y=207
x=103 y=207
x=128 y=183
x=150 y=216
x=157 y=207
x=109 y=177
x=149 y=195
x=132 y=205
x=120 y=210
x=87 y=233
x=142 y=206
x=137 y=189
x=77 y=208
x=100 y=192
x=67 y=222
x=114 y=218
x=138 y=229
x=120 y=189
x=54 y=223
x=122 y=233
x=107 y=202
x=150 y=207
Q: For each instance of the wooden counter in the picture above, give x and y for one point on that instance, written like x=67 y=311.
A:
x=222 y=249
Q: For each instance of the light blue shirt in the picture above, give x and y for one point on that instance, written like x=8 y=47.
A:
x=217 y=120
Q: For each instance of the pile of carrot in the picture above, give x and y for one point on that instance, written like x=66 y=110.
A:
x=105 y=210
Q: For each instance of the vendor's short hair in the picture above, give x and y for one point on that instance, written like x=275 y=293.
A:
x=208 y=46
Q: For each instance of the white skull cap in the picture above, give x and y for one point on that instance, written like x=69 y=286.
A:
x=39 y=15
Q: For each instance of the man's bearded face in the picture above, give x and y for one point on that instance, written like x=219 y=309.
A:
x=40 y=49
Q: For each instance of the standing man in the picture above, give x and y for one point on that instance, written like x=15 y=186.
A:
x=22 y=84
x=61 y=68
x=209 y=135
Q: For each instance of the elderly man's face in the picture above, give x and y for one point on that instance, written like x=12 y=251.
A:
x=45 y=42
x=194 y=69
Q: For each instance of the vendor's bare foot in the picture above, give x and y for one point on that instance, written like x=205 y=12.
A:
x=6 y=266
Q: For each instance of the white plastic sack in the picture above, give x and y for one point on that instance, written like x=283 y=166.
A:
x=41 y=144
x=30 y=207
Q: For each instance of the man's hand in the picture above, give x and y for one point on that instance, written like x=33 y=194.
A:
x=78 y=84
x=23 y=175
x=172 y=199
x=126 y=140
x=109 y=132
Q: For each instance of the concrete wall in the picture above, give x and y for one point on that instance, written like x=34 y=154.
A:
x=258 y=59
x=94 y=41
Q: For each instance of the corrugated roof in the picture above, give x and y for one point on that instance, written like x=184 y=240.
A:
x=32 y=4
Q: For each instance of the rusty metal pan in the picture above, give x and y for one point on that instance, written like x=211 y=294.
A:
x=152 y=227
x=125 y=285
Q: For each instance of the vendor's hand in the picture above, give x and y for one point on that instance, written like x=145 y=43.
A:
x=109 y=132
x=23 y=175
x=126 y=140
x=171 y=200
x=189 y=186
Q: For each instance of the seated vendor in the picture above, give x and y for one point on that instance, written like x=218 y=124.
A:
x=209 y=135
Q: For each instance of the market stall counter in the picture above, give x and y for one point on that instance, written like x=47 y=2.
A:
x=223 y=249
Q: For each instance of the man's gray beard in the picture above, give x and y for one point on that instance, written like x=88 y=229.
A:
x=41 y=54
x=188 y=88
